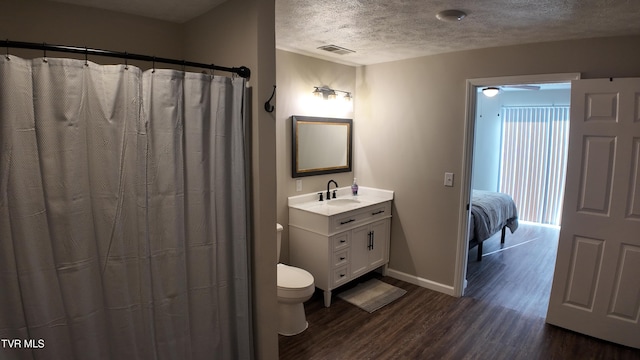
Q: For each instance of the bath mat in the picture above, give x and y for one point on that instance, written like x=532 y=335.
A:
x=372 y=295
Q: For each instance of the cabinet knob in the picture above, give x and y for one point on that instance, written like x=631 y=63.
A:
x=342 y=258
x=342 y=275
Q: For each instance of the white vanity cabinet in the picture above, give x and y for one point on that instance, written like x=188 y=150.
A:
x=339 y=246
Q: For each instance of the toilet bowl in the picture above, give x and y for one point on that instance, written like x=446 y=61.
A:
x=295 y=286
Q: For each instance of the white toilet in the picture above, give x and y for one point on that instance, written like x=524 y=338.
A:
x=295 y=286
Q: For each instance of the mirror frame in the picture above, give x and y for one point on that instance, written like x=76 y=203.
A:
x=296 y=171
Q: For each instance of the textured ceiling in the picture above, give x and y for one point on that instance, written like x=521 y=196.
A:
x=387 y=30
x=383 y=30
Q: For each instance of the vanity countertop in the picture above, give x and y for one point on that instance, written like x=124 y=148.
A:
x=343 y=202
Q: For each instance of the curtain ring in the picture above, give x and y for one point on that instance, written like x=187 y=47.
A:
x=184 y=66
x=7 y=46
x=86 y=56
x=153 y=69
x=44 y=49
x=126 y=61
x=213 y=66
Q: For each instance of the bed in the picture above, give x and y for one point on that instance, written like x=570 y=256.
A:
x=490 y=212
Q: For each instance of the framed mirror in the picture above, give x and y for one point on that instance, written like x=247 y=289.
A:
x=320 y=145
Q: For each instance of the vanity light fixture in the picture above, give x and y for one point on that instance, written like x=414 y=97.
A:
x=329 y=93
x=490 y=91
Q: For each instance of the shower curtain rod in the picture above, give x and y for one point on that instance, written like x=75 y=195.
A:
x=242 y=71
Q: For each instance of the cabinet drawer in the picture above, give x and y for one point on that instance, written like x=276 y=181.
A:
x=341 y=241
x=340 y=258
x=361 y=216
x=340 y=275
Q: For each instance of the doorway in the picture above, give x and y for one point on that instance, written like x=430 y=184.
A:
x=488 y=138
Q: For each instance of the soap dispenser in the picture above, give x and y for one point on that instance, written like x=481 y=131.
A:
x=354 y=187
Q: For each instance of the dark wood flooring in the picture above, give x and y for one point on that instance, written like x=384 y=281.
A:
x=501 y=315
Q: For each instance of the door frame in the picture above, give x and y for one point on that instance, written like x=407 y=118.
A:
x=460 y=282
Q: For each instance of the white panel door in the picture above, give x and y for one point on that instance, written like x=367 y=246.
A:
x=596 y=284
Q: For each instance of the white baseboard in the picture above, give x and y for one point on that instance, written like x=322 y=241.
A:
x=415 y=280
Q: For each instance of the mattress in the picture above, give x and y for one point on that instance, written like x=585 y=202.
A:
x=490 y=212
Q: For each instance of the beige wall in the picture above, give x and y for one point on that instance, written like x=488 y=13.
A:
x=411 y=130
x=239 y=32
x=296 y=77
x=63 y=24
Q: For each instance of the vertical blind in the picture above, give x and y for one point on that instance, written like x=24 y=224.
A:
x=533 y=160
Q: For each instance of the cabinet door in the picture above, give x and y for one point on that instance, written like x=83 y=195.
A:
x=379 y=243
x=360 y=250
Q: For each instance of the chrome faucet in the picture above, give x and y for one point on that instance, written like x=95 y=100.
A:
x=329 y=192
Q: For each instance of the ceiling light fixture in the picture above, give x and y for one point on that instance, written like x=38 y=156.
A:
x=490 y=91
x=328 y=93
x=451 y=15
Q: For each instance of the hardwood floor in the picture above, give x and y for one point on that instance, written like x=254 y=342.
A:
x=518 y=274
x=501 y=315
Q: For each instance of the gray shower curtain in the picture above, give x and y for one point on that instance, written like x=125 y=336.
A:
x=123 y=213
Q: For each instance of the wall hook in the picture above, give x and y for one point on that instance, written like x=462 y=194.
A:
x=267 y=106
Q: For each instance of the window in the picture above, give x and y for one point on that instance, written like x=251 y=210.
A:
x=533 y=160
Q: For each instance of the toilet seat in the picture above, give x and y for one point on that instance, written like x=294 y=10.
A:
x=293 y=278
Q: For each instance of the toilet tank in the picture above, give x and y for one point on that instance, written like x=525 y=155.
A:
x=279 y=238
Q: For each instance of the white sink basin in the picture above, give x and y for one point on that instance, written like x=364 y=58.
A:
x=342 y=202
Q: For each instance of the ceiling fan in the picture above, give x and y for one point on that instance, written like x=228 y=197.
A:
x=492 y=91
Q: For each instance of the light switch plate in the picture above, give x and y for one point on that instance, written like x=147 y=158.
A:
x=299 y=185
x=448 y=179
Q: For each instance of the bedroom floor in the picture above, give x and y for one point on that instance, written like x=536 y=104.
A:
x=500 y=317
x=517 y=274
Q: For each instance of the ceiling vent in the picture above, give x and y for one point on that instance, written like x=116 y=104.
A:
x=336 y=49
